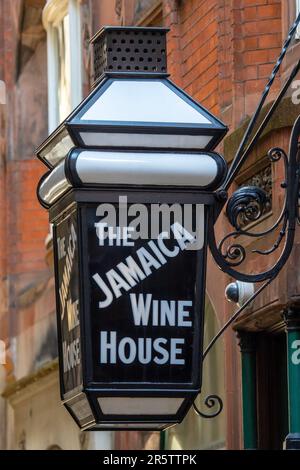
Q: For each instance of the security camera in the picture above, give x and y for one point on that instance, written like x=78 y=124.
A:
x=239 y=292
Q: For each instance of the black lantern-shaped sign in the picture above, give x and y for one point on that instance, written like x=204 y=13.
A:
x=130 y=188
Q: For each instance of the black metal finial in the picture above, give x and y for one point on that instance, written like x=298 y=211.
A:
x=129 y=50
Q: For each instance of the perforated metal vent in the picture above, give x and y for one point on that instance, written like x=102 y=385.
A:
x=130 y=49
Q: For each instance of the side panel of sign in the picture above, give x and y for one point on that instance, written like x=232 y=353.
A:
x=67 y=293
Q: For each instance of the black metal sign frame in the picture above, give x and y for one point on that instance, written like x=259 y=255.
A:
x=77 y=202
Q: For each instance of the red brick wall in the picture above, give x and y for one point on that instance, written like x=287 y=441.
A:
x=222 y=51
x=23 y=123
x=27 y=224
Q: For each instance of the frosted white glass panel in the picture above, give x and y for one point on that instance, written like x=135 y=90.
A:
x=103 y=167
x=139 y=406
x=146 y=140
x=142 y=101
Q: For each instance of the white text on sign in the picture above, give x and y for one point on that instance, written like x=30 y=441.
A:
x=130 y=272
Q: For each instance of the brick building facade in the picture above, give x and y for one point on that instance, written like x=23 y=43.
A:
x=221 y=53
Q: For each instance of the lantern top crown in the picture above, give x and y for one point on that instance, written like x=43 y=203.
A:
x=133 y=105
x=130 y=50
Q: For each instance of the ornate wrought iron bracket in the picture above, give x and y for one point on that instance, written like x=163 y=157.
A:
x=247 y=204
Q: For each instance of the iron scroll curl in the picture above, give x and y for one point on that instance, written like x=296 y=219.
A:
x=248 y=203
x=211 y=401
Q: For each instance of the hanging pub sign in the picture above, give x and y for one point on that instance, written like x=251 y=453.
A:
x=135 y=325
x=130 y=288
x=129 y=235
